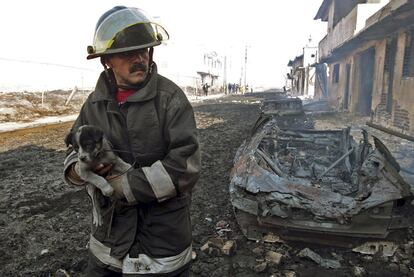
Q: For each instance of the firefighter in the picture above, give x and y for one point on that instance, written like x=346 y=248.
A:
x=146 y=228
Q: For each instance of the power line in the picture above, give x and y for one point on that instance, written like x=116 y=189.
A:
x=45 y=63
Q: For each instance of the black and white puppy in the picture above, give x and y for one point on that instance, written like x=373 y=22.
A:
x=93 y=148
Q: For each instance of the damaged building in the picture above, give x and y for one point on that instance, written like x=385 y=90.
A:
x=210 y=71
x=369 y=53
x=301 y=78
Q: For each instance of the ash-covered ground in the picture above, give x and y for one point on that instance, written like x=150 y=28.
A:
x=44 y=224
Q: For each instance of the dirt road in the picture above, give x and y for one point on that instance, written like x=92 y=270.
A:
x=44 y=224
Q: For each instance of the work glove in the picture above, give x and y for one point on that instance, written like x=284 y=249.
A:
x=115 y=179
x=73 y=173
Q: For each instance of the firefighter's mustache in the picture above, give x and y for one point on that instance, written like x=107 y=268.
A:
x=138 y=67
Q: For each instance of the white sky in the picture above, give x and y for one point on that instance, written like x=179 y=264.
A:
x=58 y=32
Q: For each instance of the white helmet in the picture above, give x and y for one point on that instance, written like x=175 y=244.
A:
x=123 y=29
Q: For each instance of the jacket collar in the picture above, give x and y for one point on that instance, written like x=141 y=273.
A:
x=102 y=91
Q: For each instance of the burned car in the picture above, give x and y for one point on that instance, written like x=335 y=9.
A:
x=302 y=183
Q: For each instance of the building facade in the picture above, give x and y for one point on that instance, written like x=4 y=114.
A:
x=211 y=71
x=369 y=54
x=301 y=78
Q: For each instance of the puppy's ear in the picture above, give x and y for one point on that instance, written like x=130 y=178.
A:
x=70 y=143
x=75 y=145
x=69 y=139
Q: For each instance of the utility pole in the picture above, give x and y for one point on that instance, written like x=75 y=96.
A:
x=225 y=75
x=241 y=75
x=245 y=67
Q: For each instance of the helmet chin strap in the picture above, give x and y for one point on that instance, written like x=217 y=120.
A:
x=150 y=63
x=111 y=80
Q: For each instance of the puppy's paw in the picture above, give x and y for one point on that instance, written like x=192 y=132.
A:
x=96 y=216
x=107 y=190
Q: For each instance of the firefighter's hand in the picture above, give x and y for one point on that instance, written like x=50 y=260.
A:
x=103 y=169
x=72 y=174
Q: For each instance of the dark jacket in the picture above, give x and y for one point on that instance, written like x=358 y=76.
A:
x=155 y=131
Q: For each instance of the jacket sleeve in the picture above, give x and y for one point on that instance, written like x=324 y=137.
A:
x=71 y=156
x=179 y=169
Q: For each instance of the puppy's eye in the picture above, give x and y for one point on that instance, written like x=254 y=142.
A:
x=89 y=146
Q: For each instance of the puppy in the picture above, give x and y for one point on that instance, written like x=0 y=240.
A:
x=93 y=149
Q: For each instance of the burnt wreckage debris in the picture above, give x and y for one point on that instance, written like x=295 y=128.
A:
x=315 y=185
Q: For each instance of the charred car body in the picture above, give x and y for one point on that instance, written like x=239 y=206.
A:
x=309 y=184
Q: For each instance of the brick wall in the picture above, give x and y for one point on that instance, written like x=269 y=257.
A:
x=401 y=118
x=381 y=114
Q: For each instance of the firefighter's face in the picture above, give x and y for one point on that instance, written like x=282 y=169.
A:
x=130 y=68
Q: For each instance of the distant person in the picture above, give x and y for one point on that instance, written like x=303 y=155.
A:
x=205 y=89
x=145 y=229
